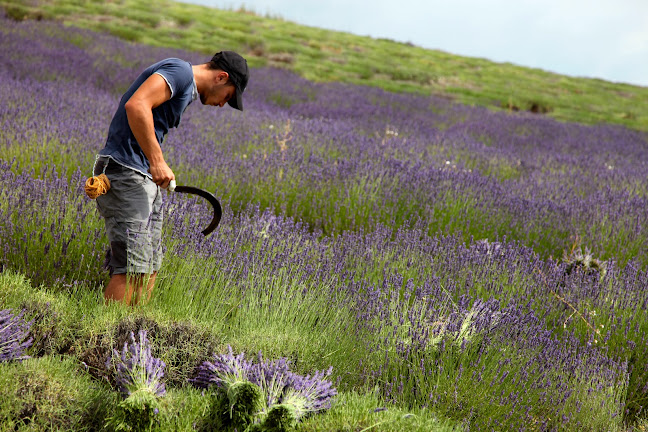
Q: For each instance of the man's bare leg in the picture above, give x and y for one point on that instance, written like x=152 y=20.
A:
x=121 y=287
x=116 y=289
x=149 y=288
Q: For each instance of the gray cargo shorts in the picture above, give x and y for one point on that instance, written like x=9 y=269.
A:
x=132 y=210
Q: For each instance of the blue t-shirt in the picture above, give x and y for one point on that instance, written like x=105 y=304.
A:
x=121 y=144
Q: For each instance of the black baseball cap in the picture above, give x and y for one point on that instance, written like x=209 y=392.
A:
x=237 y=68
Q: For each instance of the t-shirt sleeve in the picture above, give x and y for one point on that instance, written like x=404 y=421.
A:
x=177 y=74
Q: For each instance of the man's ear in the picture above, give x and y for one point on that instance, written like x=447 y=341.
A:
x=222 y=76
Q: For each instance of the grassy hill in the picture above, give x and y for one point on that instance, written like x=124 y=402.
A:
x=322 y=55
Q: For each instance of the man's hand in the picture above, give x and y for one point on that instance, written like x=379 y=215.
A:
x=161 y=174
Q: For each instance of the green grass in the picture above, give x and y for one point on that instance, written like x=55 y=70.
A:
x=366 y=412
x=50 y=393
x=322 y=55
x=67 y=386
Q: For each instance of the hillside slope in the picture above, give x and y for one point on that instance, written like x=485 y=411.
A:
x=322 y=55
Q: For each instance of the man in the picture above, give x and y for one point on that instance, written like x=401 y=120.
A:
x=134 y=163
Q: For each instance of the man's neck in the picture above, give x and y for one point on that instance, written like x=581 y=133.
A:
x=201 y=75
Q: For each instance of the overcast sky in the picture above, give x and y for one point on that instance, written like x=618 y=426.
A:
x=605 y=39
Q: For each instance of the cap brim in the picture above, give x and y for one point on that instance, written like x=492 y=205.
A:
x=237 y=100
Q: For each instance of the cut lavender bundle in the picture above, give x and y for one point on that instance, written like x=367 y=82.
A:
x=139 y=377
x=274 y=377
x=236 y=401
x=583 y=260
x=284 y=397
x=316 y=391
x=234 y=406
x=137 y=369
x=223 y=368
x=13 y=336
x=301 y=396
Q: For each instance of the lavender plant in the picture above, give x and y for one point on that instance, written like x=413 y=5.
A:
x=395 y=317
x=139 y=378
x=51 y=231
x=14 y=335
x=356 y=219
x=394 y=159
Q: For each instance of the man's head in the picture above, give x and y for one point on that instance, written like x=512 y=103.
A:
x=238 y=73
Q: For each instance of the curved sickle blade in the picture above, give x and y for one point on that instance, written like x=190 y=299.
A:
x=218 y=212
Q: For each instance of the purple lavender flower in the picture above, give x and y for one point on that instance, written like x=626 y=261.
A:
x=13 y=335
x=310 y=393
x=139 y=377
x=273 y=376
x=223 y=368
x=136 y=369
x=279 y=385
x=289 y=396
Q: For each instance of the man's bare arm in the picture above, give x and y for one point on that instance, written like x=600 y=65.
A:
x=139 y=109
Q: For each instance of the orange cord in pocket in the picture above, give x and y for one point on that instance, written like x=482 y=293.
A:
x=97 y=185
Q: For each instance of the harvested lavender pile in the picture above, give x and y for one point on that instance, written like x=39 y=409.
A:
x=261 y=394
x=139 y=378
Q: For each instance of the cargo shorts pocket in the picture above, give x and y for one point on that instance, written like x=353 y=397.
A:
x=139 y=248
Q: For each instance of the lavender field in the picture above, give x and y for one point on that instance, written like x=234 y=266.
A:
x=469 y=265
